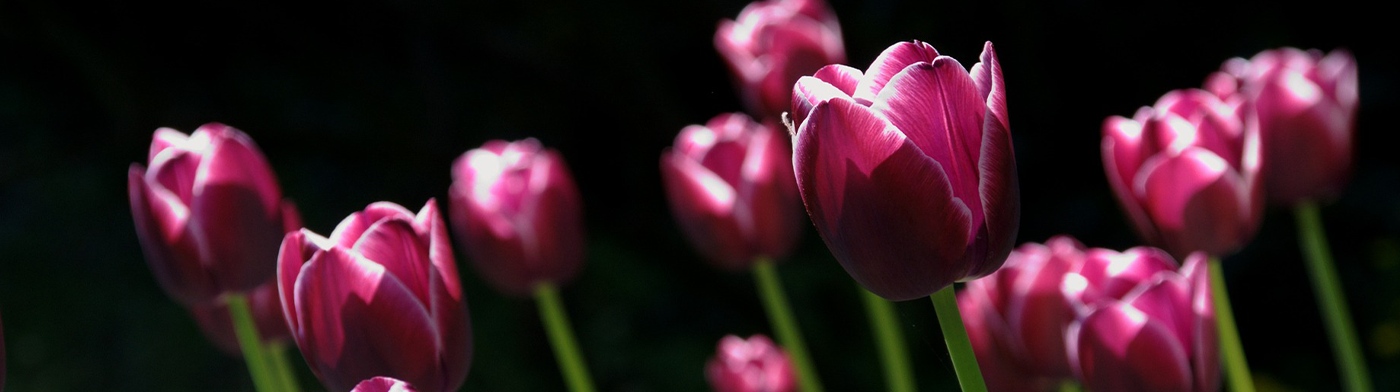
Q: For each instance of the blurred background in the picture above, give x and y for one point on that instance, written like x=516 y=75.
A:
x=372 y=100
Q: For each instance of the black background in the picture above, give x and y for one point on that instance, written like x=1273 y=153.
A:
x=359 y=101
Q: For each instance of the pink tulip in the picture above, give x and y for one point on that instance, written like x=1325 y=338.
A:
x=379 y=297
x=753 y=365
x=1306 y=104
x=1186 y=171
x=383 y=384
x=907 y=169
x=265 y=304
x=773 y=43
x=1160 y=336
x=517 y=212
x=731 y=187
x=208 y=212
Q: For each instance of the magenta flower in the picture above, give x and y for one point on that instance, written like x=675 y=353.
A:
x=266 y=306
x=1016 y=317
x=379 y=297
x=516 y=210
x=208 y=212
x=1160 y=336
x=1186 y=172
x=775 y=42
x=383 y=384
x=1306 y=104
x=731 y=187
x=753 y=365
x=907 y=170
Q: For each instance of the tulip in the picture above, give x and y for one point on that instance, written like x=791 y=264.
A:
x=753 y=365
x=731 y=186
x=383 y=384
x=516 y=210
x=208 y=212
x=1186 y=171
x=1160 y=336
x=775 y=42
x=214 y=319
x=907 y=169
x=379 y=297
x=1306 y=106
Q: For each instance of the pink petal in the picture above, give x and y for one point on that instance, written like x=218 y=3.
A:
x=807 y=93
x=174 y=170
x=1040 y=314
x=165 y=138
x=433 y=230
x=770 y=190
x=1113 y=274
x=557 y=221
x=352 y=227
x=1000 y=192
x=990 y=86
x=498 y=254
x=171 y=250
x=393 y=244
x=1122 y=349
x=1167 y=299
x=383 y=384
x=890 y=62
x=1197 y=202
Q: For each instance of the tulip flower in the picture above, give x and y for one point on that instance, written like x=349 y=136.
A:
x=208 y=212
x=1160 y=336
x=731 y=186
x=1306 y=106
x=379 y=297
x=907 y=169
x=775 y=42
x=752 y=365
x=1186 y=171
x=383 y=384
x=517 y=212
x=214 y=319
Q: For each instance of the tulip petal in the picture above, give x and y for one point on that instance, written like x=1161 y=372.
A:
x=489 y=246
x=171 y=250
x=771 y=192
x=1114 y=274
x=1000 y=191
x=863 y=180
x=1121 y=349
x=393 y=244
x=990 y=86
x=165 y=138
x=1197 y=202
x=236 y=213
x=360 y=321
x=1039 y=314
x=556 y=221
x=383 y=384
x=1167 y=299
x=704 y=208
x=807 y=93
x=298 y=248
x=431 y=227
x=175 y=170
x=352 y=227
x=890 y=62
x=1205 y=342
x=1122 y=154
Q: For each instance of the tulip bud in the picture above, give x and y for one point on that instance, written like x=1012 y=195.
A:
x=266 y=306
x=1159 y=337
x=517 y=212
x=753 y=365
x=775 y=42
x=383 y=384
x=380 y=296
x=1306 y=105
x=731 y=187
x=907 y=170
x=208 y=212
x=1186 y=171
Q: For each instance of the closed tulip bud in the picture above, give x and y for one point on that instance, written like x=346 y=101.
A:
x=517 y=212
x=1186 y=172
x=731 y=187
x=1016 y=318
x=773 y=43
x=753 y=365
x=383 y=384
x=1160 y=336
x=907 y=170
x=266 y=306
x=1306 y=105
x=379 y=297
x=208 y=212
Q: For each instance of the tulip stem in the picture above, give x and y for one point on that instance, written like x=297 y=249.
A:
x=899 y=376
x=246 y=330
x=1330 y=299
x=561 y=336
x=1070 y=386
x=959 y=347
x=1231 y=351
x=286 y=378
x=784 y=324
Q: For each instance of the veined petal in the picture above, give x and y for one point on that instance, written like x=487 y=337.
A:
x=987 y=75
x=890 y=62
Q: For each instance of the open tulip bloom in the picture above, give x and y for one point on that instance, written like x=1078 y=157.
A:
x=907 y=171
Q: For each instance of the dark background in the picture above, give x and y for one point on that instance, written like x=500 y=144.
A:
x=366 y=101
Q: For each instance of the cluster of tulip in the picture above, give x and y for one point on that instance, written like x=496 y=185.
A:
x=906 y=169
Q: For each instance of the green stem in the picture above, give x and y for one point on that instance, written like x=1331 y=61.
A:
x=1331 y=301
x=246 y=330
x=1070 y=386
x=281 y=367
x=561 y=336
x=899 y=376
x=784 y=324
x=959 y=347
x=1231 y=351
